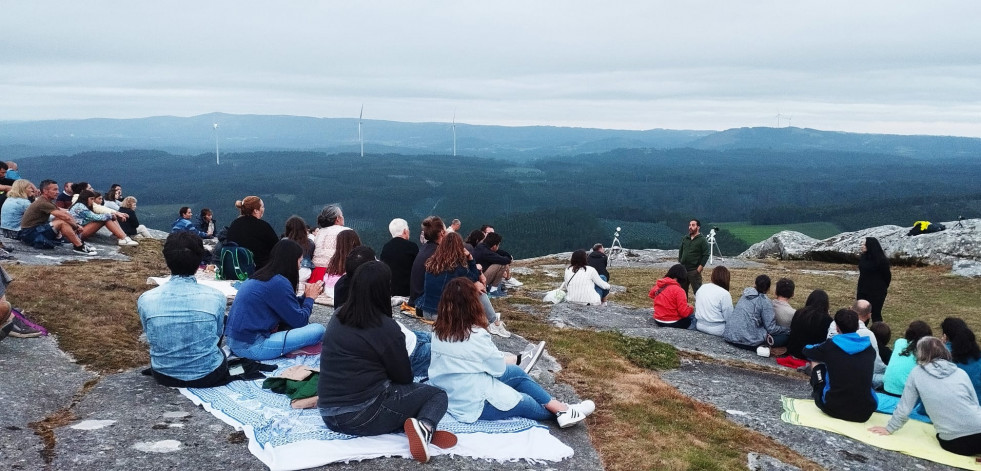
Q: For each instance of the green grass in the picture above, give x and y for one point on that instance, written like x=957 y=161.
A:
x=752 y=234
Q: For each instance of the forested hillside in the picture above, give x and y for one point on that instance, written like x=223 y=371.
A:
x=547 y=205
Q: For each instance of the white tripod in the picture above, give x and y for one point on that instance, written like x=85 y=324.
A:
x=713 y=246
x=616 y=251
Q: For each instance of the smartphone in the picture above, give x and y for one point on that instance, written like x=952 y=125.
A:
x=236 y=370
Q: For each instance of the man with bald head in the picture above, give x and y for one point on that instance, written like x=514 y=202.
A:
x=864 y=310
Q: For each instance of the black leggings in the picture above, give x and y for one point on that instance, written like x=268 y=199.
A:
x=967 y=445
x=681 y=324
x=389 y=411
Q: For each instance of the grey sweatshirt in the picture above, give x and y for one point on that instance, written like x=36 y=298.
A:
x=751 y=320
x=948 y=397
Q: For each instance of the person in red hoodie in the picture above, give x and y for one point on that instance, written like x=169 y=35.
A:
x=671 y=308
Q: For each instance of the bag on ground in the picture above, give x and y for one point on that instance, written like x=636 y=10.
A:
x=234 y=262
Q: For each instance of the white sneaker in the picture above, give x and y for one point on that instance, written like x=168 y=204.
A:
x=127 y=242
x=512 y=282
x=498 y=330
x=530 y=356
x=575 y=413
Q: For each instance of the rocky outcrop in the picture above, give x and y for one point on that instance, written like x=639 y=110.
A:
x=959 y=243
x=785 y=245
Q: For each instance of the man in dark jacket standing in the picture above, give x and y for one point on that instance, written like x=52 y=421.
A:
x=841 y=373
x=693 y=254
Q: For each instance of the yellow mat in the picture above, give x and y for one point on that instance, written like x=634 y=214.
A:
x=915 y=438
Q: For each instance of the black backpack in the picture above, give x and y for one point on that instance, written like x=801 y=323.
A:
x=233 y=262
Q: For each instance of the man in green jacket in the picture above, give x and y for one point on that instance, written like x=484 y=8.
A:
x=693 y=254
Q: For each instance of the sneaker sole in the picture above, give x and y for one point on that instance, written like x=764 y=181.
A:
x=443 y=439
x=417 y=447
x=536 y=354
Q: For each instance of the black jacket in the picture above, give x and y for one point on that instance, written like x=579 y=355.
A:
x=485 y=257
x=847 y=393
x=597 y=260
x=254 y=234
x=357 y=364
x=400 y=254
x=417 y=278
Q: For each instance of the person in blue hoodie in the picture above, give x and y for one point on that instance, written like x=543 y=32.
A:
x=841 y=373
x=184 y=223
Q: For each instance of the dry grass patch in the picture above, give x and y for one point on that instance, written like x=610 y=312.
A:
x=91 y=305
x=641 y=420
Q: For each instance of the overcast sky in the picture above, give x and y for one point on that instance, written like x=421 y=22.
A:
x=868 y=66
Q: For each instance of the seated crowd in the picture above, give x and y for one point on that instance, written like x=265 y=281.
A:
x=849 y=359
x=370 y=363
x=45 y=216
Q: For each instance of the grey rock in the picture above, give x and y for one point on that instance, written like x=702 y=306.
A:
x=784 y=245
x=36 y=380
x=759 y=462
x=959 y=242
x=104 y=243
x=968 y=268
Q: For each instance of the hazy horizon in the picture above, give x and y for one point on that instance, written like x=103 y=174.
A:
x=869 y=67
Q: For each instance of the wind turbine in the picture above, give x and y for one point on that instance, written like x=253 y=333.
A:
x=454 y=134
x=217 y=157
x=778 y=118
x=360 y=136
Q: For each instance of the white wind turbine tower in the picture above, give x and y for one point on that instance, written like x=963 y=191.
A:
x=778 y=118
x=454 y=134
x=360 y=136
x=217 y=158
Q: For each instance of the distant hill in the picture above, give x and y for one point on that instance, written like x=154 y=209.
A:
x=251 y=133
x=241 y=133
x=803 y=139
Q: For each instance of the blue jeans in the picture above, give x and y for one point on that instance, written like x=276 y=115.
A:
x=533 y=398
x=421 y=355
x=602 y=292
x=279 y=343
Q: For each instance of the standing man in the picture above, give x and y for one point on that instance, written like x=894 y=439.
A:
x=693 y=254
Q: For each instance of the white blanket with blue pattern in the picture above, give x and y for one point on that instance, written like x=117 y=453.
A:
x=284 y=438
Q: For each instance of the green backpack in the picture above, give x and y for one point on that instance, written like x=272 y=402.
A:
x=234 y=262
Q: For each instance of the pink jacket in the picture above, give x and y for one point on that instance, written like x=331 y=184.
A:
x=671 y=304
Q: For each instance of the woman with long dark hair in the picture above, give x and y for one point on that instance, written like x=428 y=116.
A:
x=671 y=308
x=366 y=383
x=964 y=350
x=482 y=382
x=582 y=280
x=903 y=358
x=267 y=320
x=874 y=276
x=346 y=241
x=296 y=230
x=91 y=222
x=251 y=232
x=451 y=260
x=948 y=397
x=810 y=324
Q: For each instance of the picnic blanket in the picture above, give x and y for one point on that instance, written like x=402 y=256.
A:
x=287 y=439
x=916 y=438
